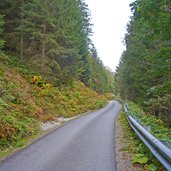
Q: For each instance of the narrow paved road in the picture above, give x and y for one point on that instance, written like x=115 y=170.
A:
x=85 y=144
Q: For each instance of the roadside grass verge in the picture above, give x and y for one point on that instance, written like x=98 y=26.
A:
x=159 y=128
x=141 y=155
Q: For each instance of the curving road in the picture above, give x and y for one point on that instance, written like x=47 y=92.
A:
x=85 y=144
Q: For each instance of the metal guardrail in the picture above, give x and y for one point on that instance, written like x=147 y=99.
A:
x=159 y=150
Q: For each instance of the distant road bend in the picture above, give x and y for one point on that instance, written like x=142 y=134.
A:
x=85 y=144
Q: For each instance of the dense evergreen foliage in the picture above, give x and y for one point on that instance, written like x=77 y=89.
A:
x=53 y=37
x=48 y=67
x=144 y=72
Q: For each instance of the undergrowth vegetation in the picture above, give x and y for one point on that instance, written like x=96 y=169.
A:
x=159 y=128
x=140 y=153
x=26 y=100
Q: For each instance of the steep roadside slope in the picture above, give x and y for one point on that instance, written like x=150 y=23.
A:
x=26 y=100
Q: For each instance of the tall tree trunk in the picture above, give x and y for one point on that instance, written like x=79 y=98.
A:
x=21 y=46
x=43 y=47
x=21 y=36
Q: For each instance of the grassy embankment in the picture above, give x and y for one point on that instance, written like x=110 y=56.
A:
x=26 y=100
x=140 y=153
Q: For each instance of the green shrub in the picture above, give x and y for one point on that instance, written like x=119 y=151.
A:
x=100 y=103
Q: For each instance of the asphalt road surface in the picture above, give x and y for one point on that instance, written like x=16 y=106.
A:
x=85 y=144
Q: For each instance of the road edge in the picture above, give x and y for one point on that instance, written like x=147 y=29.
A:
x=45 y=133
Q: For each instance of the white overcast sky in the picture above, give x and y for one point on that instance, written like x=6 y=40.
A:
x=110 y=18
